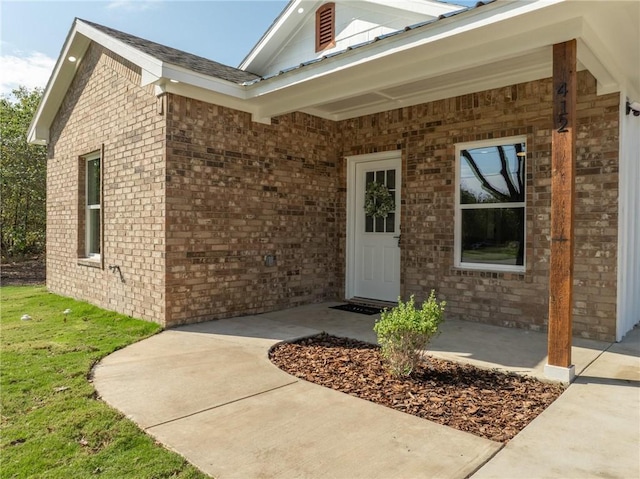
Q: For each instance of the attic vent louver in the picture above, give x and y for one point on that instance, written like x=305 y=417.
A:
x=325 y=26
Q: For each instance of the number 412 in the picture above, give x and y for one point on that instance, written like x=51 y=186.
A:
x=562 y=116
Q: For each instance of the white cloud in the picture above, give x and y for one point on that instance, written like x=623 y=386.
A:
x=132 y=5
x=31 y=70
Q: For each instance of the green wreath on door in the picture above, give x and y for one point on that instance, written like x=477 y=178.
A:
x=378 y=200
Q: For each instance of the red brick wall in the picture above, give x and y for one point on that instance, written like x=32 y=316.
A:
x=235 y=191
x=238 y=191
x=106 y=105
x=427 y=135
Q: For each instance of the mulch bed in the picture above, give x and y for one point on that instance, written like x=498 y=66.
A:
x=487 y=403
x=29 y=271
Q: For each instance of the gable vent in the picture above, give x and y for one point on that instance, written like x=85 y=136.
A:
x=325 y=26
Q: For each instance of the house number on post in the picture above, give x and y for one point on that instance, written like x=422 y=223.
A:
x=563 y=121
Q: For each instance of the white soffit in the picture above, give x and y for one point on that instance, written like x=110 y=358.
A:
x=496 y=45
x=63 y=72
x=535 y=65
x=154 y=71
x=297 y=12
x=425 y=7
x=144 y=61
x=282 y=28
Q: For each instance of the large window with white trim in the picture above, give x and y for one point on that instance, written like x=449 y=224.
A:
x=490 y=204
x=92 y=205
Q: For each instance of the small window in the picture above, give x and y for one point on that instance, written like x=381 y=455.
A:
x=490 y=205
x=92 y=205
x=379 y=224
x=325 y=27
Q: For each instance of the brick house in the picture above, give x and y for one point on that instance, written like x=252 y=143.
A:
x=181 y=190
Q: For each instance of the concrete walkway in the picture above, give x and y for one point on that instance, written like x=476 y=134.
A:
x=209 y=392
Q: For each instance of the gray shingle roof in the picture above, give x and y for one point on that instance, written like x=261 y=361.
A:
x=241 y=77
x=178 y=57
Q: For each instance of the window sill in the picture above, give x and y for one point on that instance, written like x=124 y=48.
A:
x=90 y=262
x=493 y=268
x=488 y=271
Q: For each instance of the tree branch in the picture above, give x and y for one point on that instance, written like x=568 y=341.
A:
x=520 y=158
x=485 y=184
x=504 y=171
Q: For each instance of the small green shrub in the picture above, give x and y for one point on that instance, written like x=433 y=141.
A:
x=404 y=332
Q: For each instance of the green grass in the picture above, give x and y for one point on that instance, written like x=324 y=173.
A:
x=52 y=424
x=490 y=254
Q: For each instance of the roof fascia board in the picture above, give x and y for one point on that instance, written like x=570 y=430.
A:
x=154 y=71
x=78 y=40
x=450 y=56
x=472 y=21
x=290 y=22
x=399 y=7
x=426 y=7
x=149 y=78
x=281 y=39
x=599 y=60
x=52 y=96
x=605 y=82
x=275 y=26
x=209 y=96
x=218 y=85
x=135 y=56
x=283 y=25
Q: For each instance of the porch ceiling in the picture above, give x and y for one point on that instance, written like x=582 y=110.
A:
x=485 y=53
x=502 y=43
x=533 y=65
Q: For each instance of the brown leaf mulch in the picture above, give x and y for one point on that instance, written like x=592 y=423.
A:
x=29 y=271
x=486 y=403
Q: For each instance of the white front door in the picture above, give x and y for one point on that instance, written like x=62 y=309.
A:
x=374 y=253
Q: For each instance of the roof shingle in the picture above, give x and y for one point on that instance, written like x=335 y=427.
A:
x=178 y=57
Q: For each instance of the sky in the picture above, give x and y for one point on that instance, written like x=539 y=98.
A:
x=32 y=33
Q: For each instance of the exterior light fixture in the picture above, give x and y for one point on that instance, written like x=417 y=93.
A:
x=174 y=81
x=300 y=10
x=633 y=107
x=72 y=59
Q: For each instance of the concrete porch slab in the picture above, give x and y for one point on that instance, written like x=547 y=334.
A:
x=306 y=431
x=493 y=347
x=182 y=371
x=321 y=317
x=210 y=392
x=506 y=349
x=592 y=430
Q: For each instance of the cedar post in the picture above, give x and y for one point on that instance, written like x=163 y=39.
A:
x=563 y=172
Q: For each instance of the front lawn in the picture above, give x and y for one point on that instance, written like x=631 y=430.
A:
x=490 y=254
x=52 y=424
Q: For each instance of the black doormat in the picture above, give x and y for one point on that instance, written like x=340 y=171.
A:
x=357 y=308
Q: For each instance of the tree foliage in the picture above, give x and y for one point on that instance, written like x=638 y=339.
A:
x=22 y=177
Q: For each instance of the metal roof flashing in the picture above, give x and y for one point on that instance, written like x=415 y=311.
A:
x=406 y=29
x=494 y=41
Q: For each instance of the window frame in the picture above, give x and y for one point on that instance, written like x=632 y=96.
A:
x=320 y=46
x=88 y=208
x=459 y=207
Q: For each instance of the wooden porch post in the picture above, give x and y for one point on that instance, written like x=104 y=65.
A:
x=563 y=172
